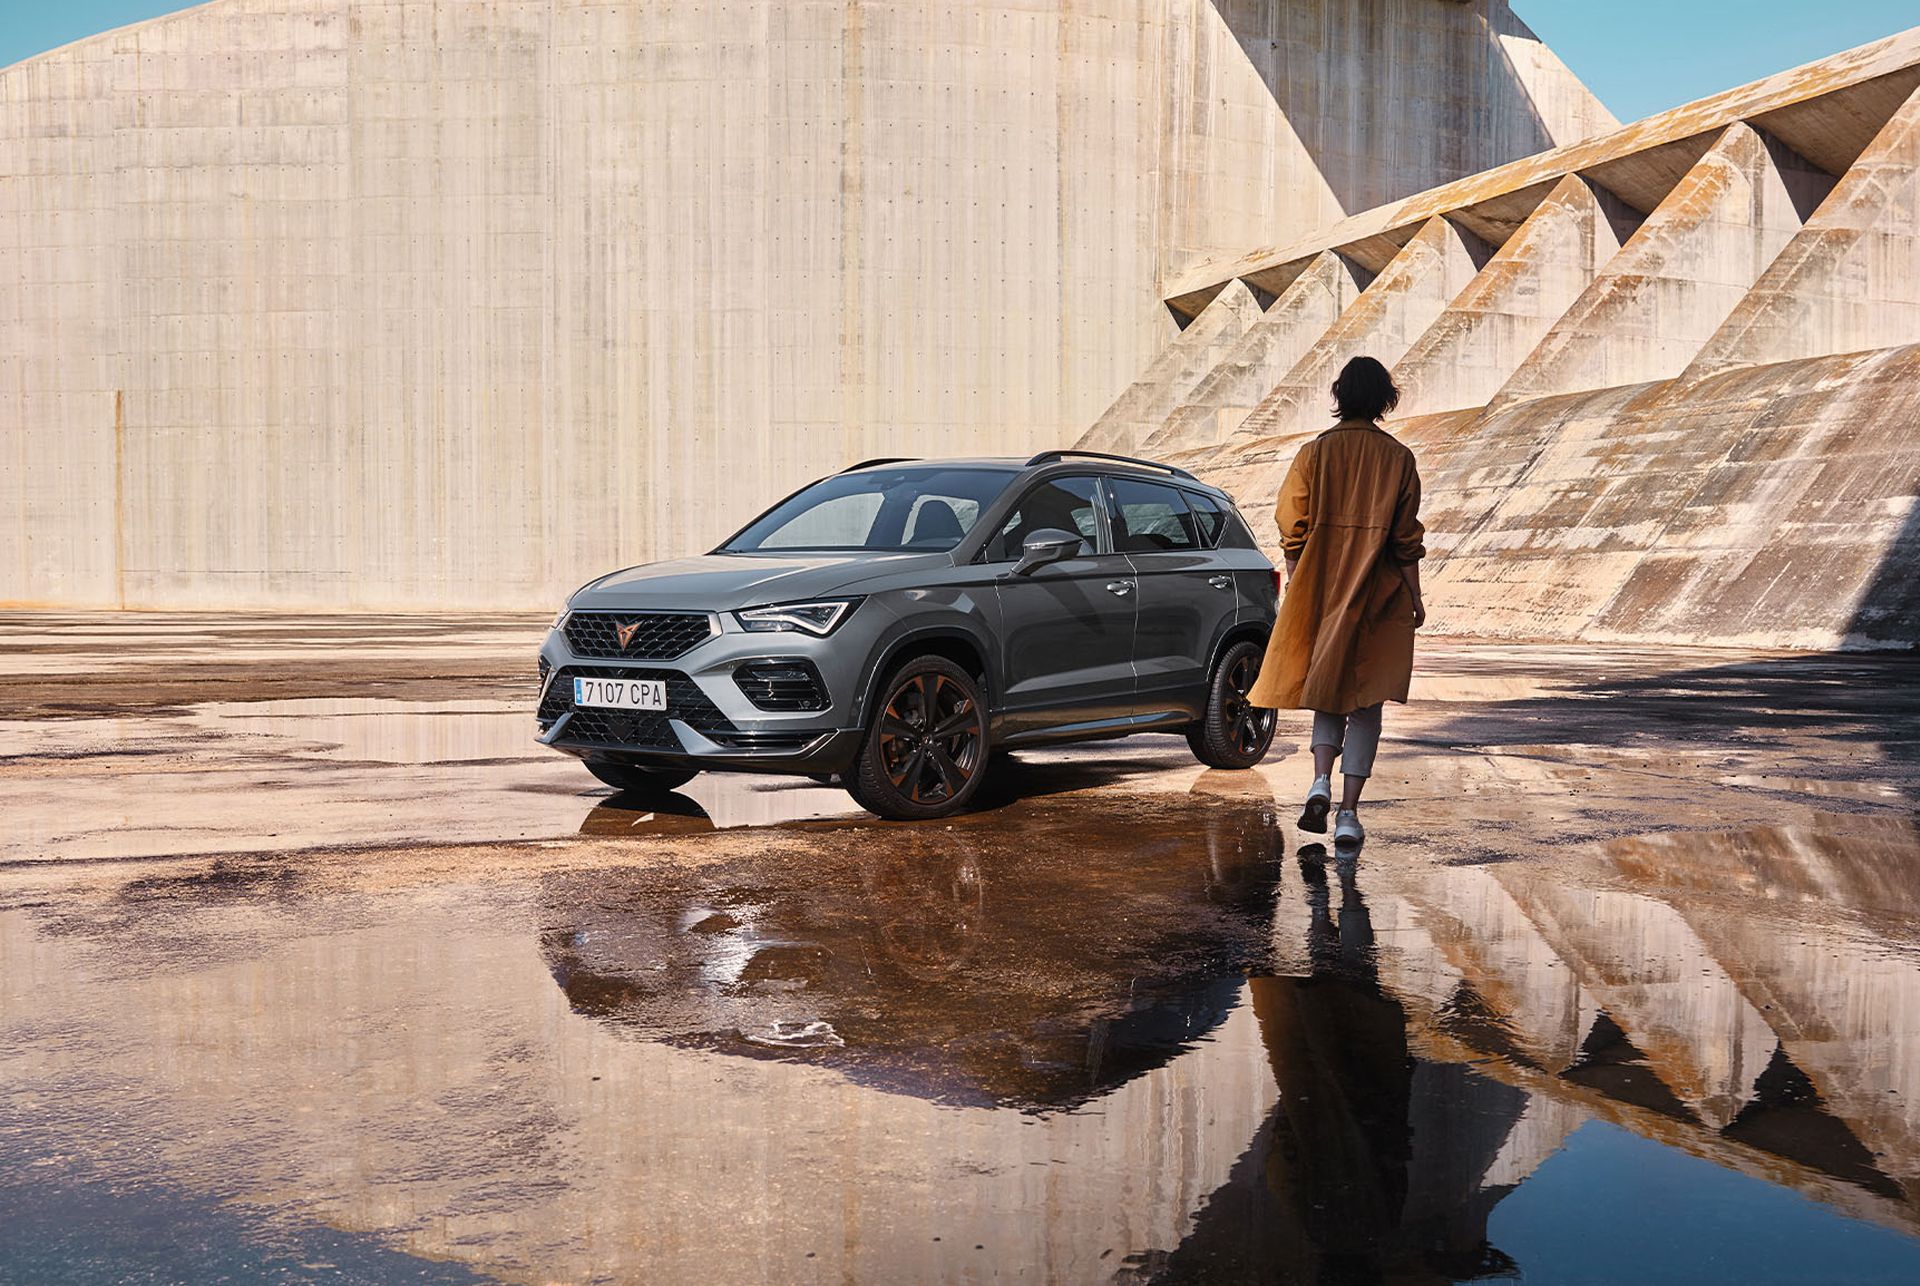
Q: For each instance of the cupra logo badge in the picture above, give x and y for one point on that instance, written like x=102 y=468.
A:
x=626 y=632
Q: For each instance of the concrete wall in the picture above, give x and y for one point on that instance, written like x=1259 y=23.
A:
x=460 y=302
x=1282 y=335
x=1652 y=306
x=1493 y=325
x=1385 y=320
x=1850 y=279
x=1193 y=355
x=1700 y=434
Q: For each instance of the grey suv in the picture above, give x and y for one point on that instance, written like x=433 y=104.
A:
x=893 y=624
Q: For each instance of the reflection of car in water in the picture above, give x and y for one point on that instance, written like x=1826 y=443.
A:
x=894 y=623
x=951 y=966
x=1047 y=961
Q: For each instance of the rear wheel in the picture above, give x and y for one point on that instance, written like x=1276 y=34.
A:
x=641 y=781
x=925 y=752
x=1233 y=734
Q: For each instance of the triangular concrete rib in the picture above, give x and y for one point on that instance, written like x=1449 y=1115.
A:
x=1506 y=311
x=1649 y=311
x=1850 y=280
x=1389 y=315
x=1269 y=349
x=1168 y=378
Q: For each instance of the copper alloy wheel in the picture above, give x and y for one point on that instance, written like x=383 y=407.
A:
x=1249 y=728
x=931 y=735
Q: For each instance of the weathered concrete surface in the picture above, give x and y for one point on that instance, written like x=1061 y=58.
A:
x=1768 y=507
x=1385 y=320
x=1849 y=281
x=1194 y=355
x=1772 y=506
x=1653 y=305
x=530 y=1028
x=1271 y=346
x=1500 y=318
x=457 y=303
x=1827 y=111
x=1697 y=434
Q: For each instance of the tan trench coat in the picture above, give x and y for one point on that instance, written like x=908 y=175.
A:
x=1350 y=512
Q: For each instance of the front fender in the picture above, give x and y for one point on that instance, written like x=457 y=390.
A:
x=964 y=614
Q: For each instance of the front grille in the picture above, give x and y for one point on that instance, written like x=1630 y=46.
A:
x=646 y=729
x=782 y=685
x=662 y=636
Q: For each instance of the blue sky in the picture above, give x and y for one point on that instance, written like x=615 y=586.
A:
x=1644 y=56
x=1640 y=56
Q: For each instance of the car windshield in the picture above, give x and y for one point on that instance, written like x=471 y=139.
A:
x=909 y=510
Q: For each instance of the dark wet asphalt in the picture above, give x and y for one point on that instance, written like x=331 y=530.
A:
x=1120 y=1025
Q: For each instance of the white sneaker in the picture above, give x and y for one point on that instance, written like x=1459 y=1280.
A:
x=1319 y=799
x=1347 y=830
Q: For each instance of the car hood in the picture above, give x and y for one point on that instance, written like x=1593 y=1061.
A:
x=722 y=582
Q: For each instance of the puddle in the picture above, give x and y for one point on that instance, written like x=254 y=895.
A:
x=723 y=801
x=788 y=1033
x=1862 y=864
x=1460 y=687
x=1874 y=791
x=380 y=730
x=1117 y=1037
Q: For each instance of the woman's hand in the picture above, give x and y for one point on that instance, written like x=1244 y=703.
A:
x=1410 y=573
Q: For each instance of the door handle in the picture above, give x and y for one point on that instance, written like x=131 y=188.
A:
x=1120 y=587
x=1220 y=582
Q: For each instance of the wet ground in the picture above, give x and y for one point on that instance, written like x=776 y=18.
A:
x=313 y=967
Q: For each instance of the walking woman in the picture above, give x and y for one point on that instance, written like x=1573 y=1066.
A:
x=1349 y=518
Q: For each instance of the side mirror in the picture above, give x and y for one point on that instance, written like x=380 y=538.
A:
x=1046 y=546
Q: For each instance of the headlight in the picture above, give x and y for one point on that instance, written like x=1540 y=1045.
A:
x=820 y=618
x=559 y=618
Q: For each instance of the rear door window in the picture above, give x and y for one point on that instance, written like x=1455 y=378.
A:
x=1207 y=513
x=1150 y=518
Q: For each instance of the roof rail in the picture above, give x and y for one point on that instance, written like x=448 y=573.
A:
x=885 y=459
x=1046 y=456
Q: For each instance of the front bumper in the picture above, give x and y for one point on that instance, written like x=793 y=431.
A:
x=710 y=723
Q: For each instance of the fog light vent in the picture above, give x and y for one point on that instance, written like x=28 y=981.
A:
x=782 y=685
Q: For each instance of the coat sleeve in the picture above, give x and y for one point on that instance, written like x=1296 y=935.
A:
x=1294 y=514
x=1409 y=535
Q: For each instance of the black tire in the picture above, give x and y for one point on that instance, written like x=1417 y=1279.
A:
x=1233 y=734
x=641 y=781
x=925 y=752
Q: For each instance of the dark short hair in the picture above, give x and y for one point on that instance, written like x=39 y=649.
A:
x=1365 y=391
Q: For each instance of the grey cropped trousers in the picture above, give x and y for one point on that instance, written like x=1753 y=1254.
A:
x=1356 y=736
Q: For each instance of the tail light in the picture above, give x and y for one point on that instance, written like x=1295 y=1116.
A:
x=1279 y=582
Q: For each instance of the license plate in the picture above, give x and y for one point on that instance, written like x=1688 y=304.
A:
x=620 y=694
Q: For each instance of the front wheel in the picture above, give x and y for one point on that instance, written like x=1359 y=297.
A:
x=925 y=752
x=1233 y=733
x=641 y=781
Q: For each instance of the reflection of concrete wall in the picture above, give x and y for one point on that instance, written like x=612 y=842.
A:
x=453 y=1102
x=458 y=303
x=1708 y=995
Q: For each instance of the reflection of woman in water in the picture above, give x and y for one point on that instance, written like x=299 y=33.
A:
x=1349 y=517
x=1338 y=1044
x=1370 y=1168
